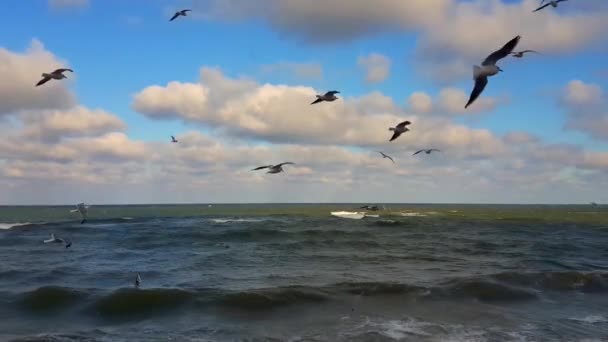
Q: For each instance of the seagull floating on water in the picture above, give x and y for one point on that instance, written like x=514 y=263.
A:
x=137 y=280
x=489 y=68
x=329 y=97
x=55 y=75
x=54 y=239
x=273 y=168
x=551 y=3
x=83 y=209
x=173 y=140
x=182 y=13
x=400 y=129
x=429 y=151
x=520 y=54
x=385 y=156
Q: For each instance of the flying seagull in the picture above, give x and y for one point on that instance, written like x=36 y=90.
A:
x=137 y=280
x=551 y=3
x=429 y=151
x=55 y=75
x=400 y=129
x=386 y=156
x=273 y=168
x=520 y=54
x=181 y=13
x=54 y=239
x=329 y=97
x=83 y=209
x=173 y=140
x=489 y=68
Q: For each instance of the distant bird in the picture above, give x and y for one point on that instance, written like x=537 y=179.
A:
x=429 y=151
x=551 y=3
x=520 y=54
x=173 y=140
x=137 y=280
x=55 y=75
x=54 y=239
x=329 y=97
x=181 y=13
x=489 y=68
x=386 y=156
x=273 y=168
x=400 y=129
x=370 y=207
x=83 y=209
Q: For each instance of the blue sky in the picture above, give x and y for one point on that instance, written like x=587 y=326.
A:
x=120 y=48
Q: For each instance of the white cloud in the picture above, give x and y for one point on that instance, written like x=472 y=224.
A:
x=420 y=102
x=586 y=111
x=377 y=67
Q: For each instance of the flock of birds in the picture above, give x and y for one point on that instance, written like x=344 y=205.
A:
x=481 y=73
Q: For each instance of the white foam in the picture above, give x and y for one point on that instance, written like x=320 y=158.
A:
x=401 y=329
x=412 y=214
x=590 y=319
x=11 y=225
x=235 y=220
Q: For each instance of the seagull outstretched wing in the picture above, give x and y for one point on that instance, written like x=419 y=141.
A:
x=480 y=85
x=261 y=167
x=43 y=81
x=502 y=53
x=541 y=7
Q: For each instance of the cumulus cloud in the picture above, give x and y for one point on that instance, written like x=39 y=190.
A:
x=68 y=3
x=300 y=70
x=21 y=71
x=377 y=67
x=586 y=111
x=450 y=101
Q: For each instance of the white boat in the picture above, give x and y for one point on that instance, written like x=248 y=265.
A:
x=354 y=215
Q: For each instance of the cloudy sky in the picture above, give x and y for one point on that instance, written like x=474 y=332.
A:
x=234 y=81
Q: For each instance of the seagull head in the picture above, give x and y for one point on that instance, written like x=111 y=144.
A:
x=499 y=69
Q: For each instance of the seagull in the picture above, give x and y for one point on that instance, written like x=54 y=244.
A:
x=429 y=151
x=552 y=3
x=520 y=54
x=173 y=140
x=54 y=239
x=83 y=210
x=386 y=156
x=400 y=129
x=181 y=13
x=137 y=280
x=55 y=75
x=329 y=97
x=273 y=168
x=370 y=207
x=489 y=68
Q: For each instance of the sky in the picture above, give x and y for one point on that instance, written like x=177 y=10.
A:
x=234 y=80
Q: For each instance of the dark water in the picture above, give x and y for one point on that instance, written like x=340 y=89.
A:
x=294 y=273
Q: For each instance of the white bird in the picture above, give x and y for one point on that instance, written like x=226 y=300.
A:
x=520 y=54
x=273 y=168
x=429 y=151
x=173 y=140
x=83 y=209
x=181 y=13
x=399 y=129
x=386 y=156
x=54 y=239
x=137 y=280
x=552 y=3
x=55 y=75
x=489 y=68
x=329 y=97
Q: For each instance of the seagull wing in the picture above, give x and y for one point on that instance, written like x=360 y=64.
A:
x=61 y=71
x=332 y=92
x=436 y=150
x=50 y=240
x=418 y=152
x=174 y=16
x=502 y=53
x=541 y=7
x=389 y=157
x=286 y=163
x=186 y=11
x=480 y=85
x=526 y=51
x=317 y=100
x=395 y=136
x=403 y=124
x=261 y=167
x=43 y=81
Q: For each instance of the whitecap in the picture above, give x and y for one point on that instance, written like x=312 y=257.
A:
x=228 y=220
x=412 y=214
x=11 y=225
x=590 y=319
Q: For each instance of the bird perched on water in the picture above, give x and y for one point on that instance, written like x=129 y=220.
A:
x=273 y=168
x=182 y=13
x=54 y=239
x=173 y=140
x=429 y=151
x=83 y=209
x=329 y=97
x=55 y=75
x=551 y=3
x=520 y=54
x=137 y=280
x=399 y=129
x=386 y=156
x=489 y=68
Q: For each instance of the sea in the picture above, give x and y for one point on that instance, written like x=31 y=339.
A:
x=293 y=272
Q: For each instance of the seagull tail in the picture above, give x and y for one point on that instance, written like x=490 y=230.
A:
x=476 y=71
x=392 y=129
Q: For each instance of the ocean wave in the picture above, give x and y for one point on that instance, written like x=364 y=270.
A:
x=12 y=225
x=591 y=319
x=239 y=220
x=50 y=298
x=135 y=301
